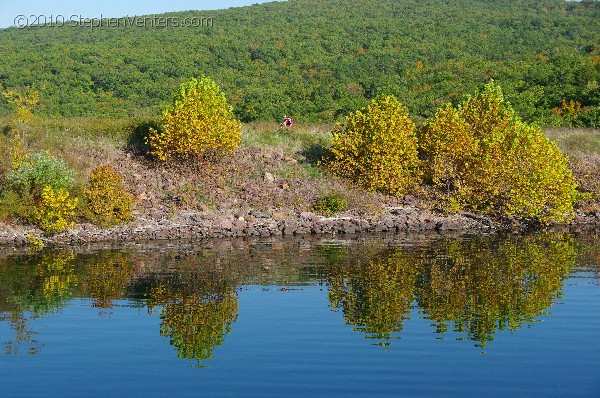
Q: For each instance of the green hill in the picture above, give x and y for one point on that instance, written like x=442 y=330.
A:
x=319 y=59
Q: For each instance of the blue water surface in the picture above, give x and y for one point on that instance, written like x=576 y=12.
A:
x=289 y=340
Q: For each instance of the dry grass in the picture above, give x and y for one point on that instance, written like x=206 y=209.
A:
x=576 y=141
x=583 y=148
x=253 y=178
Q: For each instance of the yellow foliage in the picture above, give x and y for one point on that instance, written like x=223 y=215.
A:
x=449 y=144
x=377 y=148
x=55 y=210
x=17 y=151
x=199 y=123
x=569 y=110
x=489 y=160
x=35 y=243
x=24 y=102
x=106 y=197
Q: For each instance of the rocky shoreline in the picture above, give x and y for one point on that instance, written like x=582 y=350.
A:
x=193 y=225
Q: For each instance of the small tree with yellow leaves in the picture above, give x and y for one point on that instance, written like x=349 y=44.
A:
x=377 y=148
x=23 y=103
x=55 y=210
x=106 y=198
x=489 y=160
x=199 y=123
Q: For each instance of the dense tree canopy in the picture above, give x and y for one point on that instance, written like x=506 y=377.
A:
x=317 y=60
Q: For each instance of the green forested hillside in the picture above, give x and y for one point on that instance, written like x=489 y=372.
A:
x=318 y=59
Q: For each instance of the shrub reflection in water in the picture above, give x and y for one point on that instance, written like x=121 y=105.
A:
x=473 y=287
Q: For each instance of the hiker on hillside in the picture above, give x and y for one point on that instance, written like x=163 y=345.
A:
x=287 y=122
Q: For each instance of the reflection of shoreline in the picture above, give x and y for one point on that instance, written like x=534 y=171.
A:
x=475 y=286
x=304 y=242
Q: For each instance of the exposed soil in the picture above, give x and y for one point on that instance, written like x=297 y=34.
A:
x=265 y=192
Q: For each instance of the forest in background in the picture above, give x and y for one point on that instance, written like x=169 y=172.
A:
x=319 y=60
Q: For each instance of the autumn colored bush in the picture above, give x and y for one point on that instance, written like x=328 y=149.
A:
x=37 y=191
x=54 y=211
x=489 y=160
x=377 y=147
x=107 y=200
x=199 y=123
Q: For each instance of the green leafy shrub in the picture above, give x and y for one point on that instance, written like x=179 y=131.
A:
x=590 y=117
x=199 y=123
x=37 y=191
x=377 y=148
x=55 y=211
x=331 y=204
x=38 y=170
x=489 y=160
x=106 y=197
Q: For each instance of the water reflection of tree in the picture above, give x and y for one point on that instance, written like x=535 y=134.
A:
x=196 y=324
x=38 y=285
x=53 y=283
x=474 y=287
x=107 y=276
x=376 y=298
x=197 y=304
x=195 y=292
x=590 y=255
x=24 y=336
x=483 y=285
x=477 y=286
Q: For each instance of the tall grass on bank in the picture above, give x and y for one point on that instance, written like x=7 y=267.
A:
x=582 y=145
x=576 y=141
x=299 y=138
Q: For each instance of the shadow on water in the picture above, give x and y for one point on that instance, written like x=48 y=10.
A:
x=473 y=287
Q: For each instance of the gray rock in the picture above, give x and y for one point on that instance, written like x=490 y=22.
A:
x=260 y=214
x=226 y=224
x=269 y=178
x=308 y=215
x=290 y=227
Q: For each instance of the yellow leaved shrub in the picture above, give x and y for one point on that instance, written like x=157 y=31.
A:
x=489 y=160
x=54 y=211
x=107 y=200
x=377 y=147
x=199 y=123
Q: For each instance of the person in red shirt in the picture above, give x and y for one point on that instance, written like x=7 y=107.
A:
x=287 y=122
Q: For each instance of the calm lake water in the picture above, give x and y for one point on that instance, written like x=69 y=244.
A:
x=393 y=315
